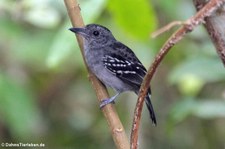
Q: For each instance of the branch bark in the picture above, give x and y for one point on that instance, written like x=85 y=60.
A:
x=188 y=26
x=215 y=26
x=116 y=127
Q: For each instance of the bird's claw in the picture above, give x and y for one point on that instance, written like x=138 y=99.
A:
x=104 y=102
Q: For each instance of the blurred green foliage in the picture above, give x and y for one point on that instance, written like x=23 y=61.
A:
x=45 y=96
x=138 y=18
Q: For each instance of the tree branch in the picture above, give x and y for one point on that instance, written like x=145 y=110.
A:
x=116 y=127
x=190 y=24
x=215 y=25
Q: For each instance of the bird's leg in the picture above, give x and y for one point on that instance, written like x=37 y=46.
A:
x=107 y=101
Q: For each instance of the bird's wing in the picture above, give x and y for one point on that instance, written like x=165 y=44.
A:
x=125 y=66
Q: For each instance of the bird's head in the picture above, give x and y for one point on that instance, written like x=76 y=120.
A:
x=95 y=35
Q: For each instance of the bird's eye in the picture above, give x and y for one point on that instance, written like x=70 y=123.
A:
x=96 y=33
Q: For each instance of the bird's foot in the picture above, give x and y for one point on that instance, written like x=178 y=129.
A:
x=107 y=101
x=104 y=102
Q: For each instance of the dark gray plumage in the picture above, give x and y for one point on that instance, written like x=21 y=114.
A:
x=113 y=63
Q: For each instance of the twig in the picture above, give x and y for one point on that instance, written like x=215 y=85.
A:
x=190 y=24
x=116 y=127
x=165 y=28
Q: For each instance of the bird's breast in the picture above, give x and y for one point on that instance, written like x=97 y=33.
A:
x=95 y=64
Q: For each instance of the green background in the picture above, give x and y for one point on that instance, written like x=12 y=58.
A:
x=45 y=95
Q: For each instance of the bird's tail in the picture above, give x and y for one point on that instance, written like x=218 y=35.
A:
x=150 y=107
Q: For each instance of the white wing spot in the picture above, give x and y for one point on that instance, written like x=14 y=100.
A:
x=119 y=71
x=117 y=59
x=127 y=62
x=139 y=64
x=108 y=64
x=131 y=72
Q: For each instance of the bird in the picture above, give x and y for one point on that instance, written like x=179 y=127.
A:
x=113 y=63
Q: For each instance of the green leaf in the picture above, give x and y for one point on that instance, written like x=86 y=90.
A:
x=137 y=17
x=18 y=109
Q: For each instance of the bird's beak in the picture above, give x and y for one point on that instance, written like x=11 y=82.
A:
x=80 y=31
